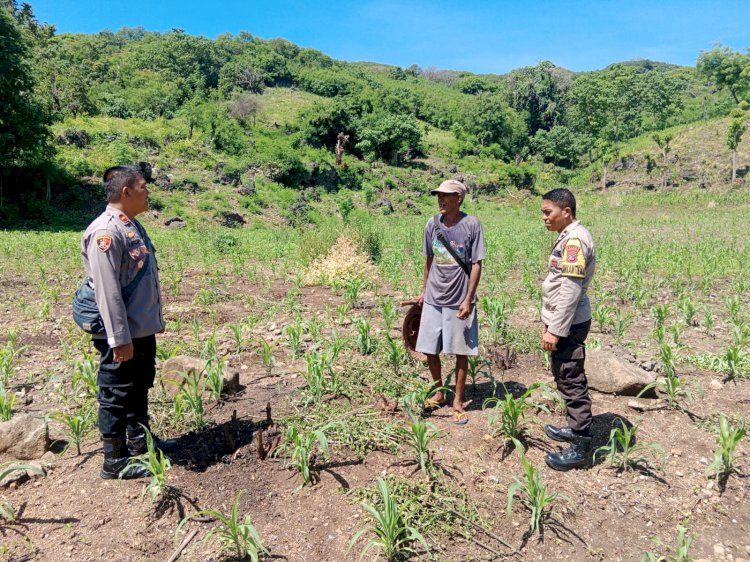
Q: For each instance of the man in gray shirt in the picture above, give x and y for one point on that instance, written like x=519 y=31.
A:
x=449 y=320
x=115 y=249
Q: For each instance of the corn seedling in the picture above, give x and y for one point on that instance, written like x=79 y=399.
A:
x=506 y=416
x=660 y=313
x=534 y=494
x=708 y=322
x=480 y=366
x=740 y=334
x=622 y=446
x=157 y=464
x=688 y=309
x=314 y=328
x=365 y=343
x=341 y=311
x=192 y=397
x=210 y=348
x=601 y=314
x=167 y=350
x=215 y=378
x=734 y=305
x=301 y=448
x=395 y=352
x=352 y=290
x=393 y=534
x=7 y=399
x=315 y=375
x=337 y=345
x=240 y=537
x=682 y=553
x=727 y=439
x=266 y=355
x=620 y=324
x=84 y=377
x=418 y=434
x=496 y=313
x=6 y=510
x=77 y=425
x=415 y=401
x=670 y=384
x=238 y=335
x=390 y=312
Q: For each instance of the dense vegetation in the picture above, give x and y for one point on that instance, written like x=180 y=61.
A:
x=189 y=100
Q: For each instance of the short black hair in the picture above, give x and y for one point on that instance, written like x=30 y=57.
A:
x=117 y=177
x=562 y=197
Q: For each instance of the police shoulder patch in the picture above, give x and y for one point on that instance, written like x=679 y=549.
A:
x=103 y=242
x=574 y=261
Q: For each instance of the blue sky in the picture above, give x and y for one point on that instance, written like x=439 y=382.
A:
x=479 y=36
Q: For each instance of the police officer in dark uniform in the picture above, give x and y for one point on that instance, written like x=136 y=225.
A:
x=566 y=314
x=118 y=254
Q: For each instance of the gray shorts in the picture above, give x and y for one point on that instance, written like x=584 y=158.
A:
x=440 y=331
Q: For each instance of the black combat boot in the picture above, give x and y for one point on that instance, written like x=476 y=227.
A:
x=116 y=459
x=559 y=433
x=137 y=443
x=578 y=455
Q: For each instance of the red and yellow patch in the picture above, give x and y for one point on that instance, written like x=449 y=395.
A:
x=131 y=233
x=124 y=218
x=574 y=260
x=103 y=242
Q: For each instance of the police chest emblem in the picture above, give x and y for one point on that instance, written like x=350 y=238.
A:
x=124 y=218
x=103 y=242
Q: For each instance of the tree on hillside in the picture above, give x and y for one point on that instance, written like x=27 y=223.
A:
x=388 y=137
x=539 y=91
x=663 y=143
x=727 y=69
x=737 y=127
x=23 y=124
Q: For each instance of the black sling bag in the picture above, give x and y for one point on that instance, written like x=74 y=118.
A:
x=440 y=236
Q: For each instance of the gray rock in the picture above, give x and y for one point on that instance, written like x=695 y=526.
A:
x=247 y=188
x=176 y=369
x=230 y=219
x=412 y=206
x=175 y=222
x=385 y=203
x=24 y=437
x=608 y=373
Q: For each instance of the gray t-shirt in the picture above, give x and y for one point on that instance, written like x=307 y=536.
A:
x=447 y=284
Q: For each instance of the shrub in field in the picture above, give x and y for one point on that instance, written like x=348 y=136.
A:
x=343 y=262
x=534 y=494
x=727 y=439
x=237 y=536
x=393 y=535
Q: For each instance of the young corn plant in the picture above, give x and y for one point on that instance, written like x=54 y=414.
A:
x=337 y=345
x=83 y=380
x=365 y=342
x=266 y=355
x=688 y=309
x=506 y=416
x=238 y=335
x=353 y=289
x=236 y=536
x=418 y=434
x=727 y=438
x=393 y=534
x=601 y=315
x=390 y=312
x=157 y=465
x=682 y=553
x=215 y=378
x=6 y=509
x=302 y=448
x=191 y=395
x=533 y=493
x=7 y=399
x=622 y=448
x=318 y=366
x=660 y=313
x=480 y=366
x=671 y=385
x=293 y=333
x=417 y=400
x=708 y=322
x=77 y=425
x=395 y=352
x=341 y=311
x=620 y=323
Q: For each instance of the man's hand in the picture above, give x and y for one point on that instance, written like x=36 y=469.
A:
x=420 y=299
x=464 y=309
x=549 y=341
x=123 y=352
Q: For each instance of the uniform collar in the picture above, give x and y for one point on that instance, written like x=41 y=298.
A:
x=567 y=230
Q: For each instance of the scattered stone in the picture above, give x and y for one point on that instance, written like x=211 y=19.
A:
x=163 y=181
x=77 y=137
x=247 y=188
x=715 y=385
x=385 y=203
x=176 y=369
x=175 y=222
x=719 y=550
x=413 y=208
x=230 y=219
x=610 y=374
x=24 y=437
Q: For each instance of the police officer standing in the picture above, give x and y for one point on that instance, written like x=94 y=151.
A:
x=121 y=267
x=566 y=314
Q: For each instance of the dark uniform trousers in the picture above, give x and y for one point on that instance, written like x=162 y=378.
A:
x=570 y=376
x=123 y=387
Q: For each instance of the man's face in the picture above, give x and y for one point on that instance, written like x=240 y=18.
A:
x=555 y=217
x=137 y=196
x=448 y=203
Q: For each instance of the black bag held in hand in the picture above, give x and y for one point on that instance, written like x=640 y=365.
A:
x=440 y=236
x=86 y=312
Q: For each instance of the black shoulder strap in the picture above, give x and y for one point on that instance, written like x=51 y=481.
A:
x=440 y=236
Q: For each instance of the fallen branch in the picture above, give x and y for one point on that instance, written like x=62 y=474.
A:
x=183 y=545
